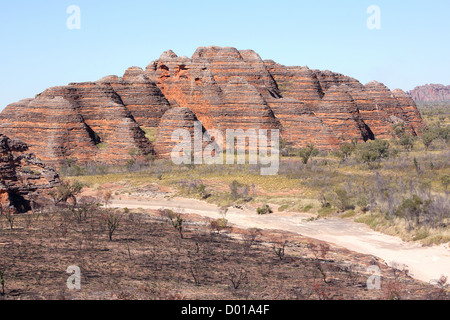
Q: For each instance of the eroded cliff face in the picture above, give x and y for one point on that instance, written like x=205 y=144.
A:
x=25 y=181
x=340 y=112
x=87 y=122
x=224 y=88
x=140 y=95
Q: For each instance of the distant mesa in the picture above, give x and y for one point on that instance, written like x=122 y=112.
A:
x=224 y=88
x=430 y=93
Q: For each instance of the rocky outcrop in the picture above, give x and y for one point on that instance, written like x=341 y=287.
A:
x=140 y=95
x=411 y=115
x=299 y=83
x=87 y=122
x=25 y=182
x=52 y=126
x=224 y=88
x=245 y=107
x=339 y=111
x=228 y=63
x=328 y=79
x=378 y=108
x=175 y=119
x=430 y=93
x=114 y=126
x=189 y=85
x=302 y=127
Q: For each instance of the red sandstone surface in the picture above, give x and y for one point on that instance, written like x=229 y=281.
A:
x=224 y=88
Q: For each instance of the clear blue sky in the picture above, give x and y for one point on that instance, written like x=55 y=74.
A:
x=38 y=50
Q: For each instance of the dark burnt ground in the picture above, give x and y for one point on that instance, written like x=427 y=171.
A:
x=147 y=259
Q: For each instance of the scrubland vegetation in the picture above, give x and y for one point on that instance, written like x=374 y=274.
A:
x=398 y=186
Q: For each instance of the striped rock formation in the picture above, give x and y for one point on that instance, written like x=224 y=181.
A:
x=87 y=122
x=339 y=111
x=51 y=125
x=299 y=83
x=224 y=88
x=140 y=95
x=411 y=114
x=328 y=79
x=175 y=119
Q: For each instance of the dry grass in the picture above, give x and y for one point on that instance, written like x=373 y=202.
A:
x=298 y=187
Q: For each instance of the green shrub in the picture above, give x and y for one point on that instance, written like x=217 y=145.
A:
x=445 y=181
x=265 y=209
x=343 y=200
x=201 y=190
x=26 y=169
x=239 y=191
x=412 y=209
x=347 y=149
x=420 y=235
x=372 y=220
x=175 y=220
x=150 y=133
x=102 y=145
x=399 y=129
x=130 y=163
x=428 y=137
x=371 y=151
x=406 y=141
x=348 y=214
x=150 y=158
x=307 y=153
x=66 y=191
x=363 y=203
x=324 y=212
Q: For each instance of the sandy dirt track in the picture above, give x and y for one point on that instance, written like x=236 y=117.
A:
x=424 y=263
